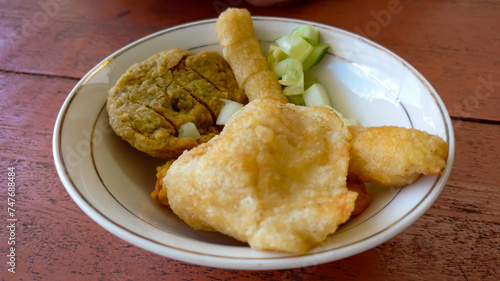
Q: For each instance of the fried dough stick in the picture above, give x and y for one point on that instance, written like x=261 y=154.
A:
x=394 y=156
x=242 y=51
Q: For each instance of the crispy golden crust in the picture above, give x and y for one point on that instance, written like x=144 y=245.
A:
x=275 y=177
x=263 y=85
x=155 y=97
x=160 y=192
x=395 y=156
x=242 y=51
x=234 y=25
x=245 y=58
x=362 y=202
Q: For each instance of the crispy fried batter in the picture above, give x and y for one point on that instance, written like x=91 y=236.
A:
x=275 y=177
x=362 y=202
x=242 y=51
x=395 y=156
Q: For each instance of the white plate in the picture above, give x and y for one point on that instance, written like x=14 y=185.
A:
x=112 y=182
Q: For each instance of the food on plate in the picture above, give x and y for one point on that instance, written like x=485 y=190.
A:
x=395 y=156
x=160 y=192
x=241 y=49
x=292 y=55
x=274 y=174
x=363 y=200
x=154 y=98
x=275 y=177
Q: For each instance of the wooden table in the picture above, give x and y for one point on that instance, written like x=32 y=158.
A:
x=46 y=46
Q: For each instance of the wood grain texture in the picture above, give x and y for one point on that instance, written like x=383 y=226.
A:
x=430 y=35
x=46 y=46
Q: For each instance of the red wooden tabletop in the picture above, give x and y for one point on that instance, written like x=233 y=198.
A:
x=46 y=46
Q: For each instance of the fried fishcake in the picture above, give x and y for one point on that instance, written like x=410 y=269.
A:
x=275 y=177
x=395 y=156
x=154 y=98
x=241 y=49
x=144 y=128
x=216 y=70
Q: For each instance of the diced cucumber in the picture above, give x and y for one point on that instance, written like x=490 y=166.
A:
x=316 y=95
x=280 y=68
x=295 y=46
x=275 y=55
x=295 y=53
x=230 y=107
x=308 y=32
x=293 y=78
x=293 y=72
x=309 y=81
x=296 y=89
x=315 y=56
x=189 y=130
x=271 y=57
x=347 y=121
x=297 y=99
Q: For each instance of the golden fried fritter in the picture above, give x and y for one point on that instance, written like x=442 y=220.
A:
x=241 y=49
x=395 y=156
x=154 y=98
x=362 y=202
x=275 y=177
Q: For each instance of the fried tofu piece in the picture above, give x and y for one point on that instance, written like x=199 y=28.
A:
x=275 y=177
x=395 y=156
x=241 y=49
